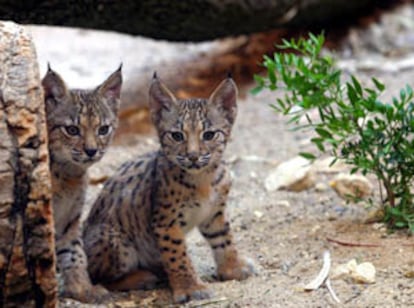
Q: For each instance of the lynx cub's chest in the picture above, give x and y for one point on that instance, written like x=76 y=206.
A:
x=199 y=206
x=68 y=199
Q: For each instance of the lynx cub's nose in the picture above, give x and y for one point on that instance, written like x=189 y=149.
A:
x=91 y=152
x=193 y=157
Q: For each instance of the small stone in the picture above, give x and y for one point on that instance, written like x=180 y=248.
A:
x=343 y=270
x=321 y=187
x=350 y=186
x=375 y=216
x=258 y=214
x=409 y=274
x=284 y=203
x=294 y=175
x=361 y=273
x=364 y=273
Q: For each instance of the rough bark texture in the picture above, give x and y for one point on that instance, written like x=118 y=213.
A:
x=190 y=20
x=27 y=262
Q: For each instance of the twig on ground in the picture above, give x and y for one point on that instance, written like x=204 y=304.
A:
x=352 y=244
x=331 y=290
x=208 y=302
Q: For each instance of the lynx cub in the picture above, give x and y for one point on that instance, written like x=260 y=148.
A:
x=80 y=126
x=136 y=230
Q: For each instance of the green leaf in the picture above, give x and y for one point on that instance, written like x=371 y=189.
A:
x=319 y=144
x=409 y=91
x=380 y=86
x=323 y=132
x=400 y=224
x=351 y=94
x=256 y=90
x=402 y=95
x=306 y=155
x=357 y=85
x=271 y=74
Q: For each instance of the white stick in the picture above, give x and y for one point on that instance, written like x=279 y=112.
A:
x=323 y=274
x=331 y=290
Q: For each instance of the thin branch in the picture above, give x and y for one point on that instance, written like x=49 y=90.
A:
x=352 y=244
x=331 y=291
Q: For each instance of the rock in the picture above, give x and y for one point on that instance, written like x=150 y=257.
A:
x=294 y=175
x=321 y=187
x=351 y=186
x=364 y=273
x=361 y=273
x=375 y=216
x=27 y=252
x=409 y=274
x=258 y=214
x=343 y=270
x=284 y=203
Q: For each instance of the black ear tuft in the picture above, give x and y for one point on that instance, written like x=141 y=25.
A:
x=154 y=76
x=160 y=98
x=229 y=75
x=53 y=85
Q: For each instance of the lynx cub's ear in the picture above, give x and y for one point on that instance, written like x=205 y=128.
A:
x=111 y=87
x=53 y=85
x=225 y=97
x=160 y=97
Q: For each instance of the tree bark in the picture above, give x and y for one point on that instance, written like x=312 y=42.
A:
x=27 y=257
x=190 y=20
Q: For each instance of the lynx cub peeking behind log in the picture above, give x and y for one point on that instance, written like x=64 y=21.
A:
x=80 y=127
x=135 y=232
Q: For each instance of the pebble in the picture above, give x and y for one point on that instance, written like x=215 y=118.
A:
x=294 y=175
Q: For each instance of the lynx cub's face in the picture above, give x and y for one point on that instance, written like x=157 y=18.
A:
x=81 y=123
x=193 y=132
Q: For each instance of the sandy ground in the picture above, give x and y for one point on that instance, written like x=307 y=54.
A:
x=286 y=233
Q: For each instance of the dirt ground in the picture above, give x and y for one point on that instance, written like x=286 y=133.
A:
x=286 y=233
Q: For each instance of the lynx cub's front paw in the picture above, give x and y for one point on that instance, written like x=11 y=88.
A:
x=78 y=287
x=238 y=269
x=197 y=292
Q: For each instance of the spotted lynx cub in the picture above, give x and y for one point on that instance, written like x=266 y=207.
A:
x=136 y=230
x=80 y=126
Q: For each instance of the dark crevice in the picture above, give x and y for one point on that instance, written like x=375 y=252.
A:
x=13 y=219
x=21 y=192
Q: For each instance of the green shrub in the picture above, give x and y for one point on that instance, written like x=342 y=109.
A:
x=372 y=136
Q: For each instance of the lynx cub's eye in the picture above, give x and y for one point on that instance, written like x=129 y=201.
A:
x=177 y=136
x=72 y=130
x=103 y=130
x=209 y=135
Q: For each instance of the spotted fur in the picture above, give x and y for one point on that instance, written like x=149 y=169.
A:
x=80 y=127
x=135 y=233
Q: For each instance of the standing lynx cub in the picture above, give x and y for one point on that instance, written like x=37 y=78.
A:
x=135 y=232
x=80 y=126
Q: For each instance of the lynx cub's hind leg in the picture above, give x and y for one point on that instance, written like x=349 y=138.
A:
x=138 y=280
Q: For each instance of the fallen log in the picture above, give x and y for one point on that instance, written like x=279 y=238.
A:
x=191 y=20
